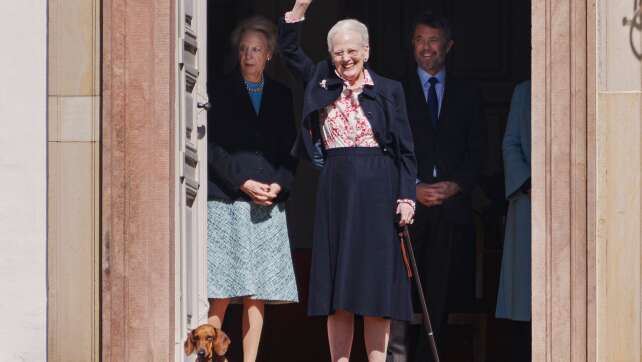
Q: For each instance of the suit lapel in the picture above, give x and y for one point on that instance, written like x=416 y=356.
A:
x=329 y=89
x=371 y=94
x=325 y=91
x=316 y=97
x=418 y=107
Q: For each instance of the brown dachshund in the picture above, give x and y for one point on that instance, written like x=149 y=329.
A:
x=209 y=343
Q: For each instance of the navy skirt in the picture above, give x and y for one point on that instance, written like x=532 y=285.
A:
x=357 y=264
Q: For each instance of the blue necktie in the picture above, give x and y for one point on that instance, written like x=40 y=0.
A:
x=433 y=104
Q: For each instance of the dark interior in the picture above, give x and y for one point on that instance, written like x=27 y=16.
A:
x=492 y=48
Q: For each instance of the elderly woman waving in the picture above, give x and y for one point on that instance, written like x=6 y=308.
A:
x=354 y=126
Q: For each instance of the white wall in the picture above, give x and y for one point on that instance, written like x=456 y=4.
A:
x=23 y=180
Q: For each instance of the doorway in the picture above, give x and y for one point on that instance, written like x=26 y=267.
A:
x=492 y=49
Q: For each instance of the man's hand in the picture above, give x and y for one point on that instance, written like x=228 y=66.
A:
x=446 y=189
x=427 y=196
x=435 y=194
x=258 y=192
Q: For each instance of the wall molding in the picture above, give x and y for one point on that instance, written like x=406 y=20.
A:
x=563 y=201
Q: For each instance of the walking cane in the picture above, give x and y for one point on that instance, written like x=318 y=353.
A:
x=406 y=248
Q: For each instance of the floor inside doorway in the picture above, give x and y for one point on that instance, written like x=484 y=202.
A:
x=289 y=335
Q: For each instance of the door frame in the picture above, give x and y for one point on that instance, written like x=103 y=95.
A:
x=191 y=303
x=564 y=75
x=137 y=180
x=139 y=172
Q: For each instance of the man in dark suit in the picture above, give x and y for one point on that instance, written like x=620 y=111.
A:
x=444 y=118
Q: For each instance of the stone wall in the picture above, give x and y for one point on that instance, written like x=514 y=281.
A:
x=73 y=182
x=23 y=180
x=563 y=162
x=619 y=215
x=138 y=197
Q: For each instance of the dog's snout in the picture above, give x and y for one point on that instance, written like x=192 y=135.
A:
x=201 y=352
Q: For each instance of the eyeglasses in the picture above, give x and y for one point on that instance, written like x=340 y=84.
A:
x=340 y=53
x=251 y=50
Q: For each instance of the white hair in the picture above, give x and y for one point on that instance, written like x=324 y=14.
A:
x=349 y=25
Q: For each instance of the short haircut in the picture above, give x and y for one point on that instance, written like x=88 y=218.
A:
x=346 y=25
x=255 y=23
x=435 y=21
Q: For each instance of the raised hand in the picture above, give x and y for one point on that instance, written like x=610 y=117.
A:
x=298 y=10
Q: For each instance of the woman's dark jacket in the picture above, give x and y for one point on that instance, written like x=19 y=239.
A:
x=383 y=104
x=244 y=146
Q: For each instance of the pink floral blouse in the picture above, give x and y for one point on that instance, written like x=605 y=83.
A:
x=343 y=123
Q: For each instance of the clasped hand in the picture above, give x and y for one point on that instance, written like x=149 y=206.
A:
x=261 y=193
x=435 y=194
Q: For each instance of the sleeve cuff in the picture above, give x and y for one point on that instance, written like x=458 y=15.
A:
x=407 y=201
x=289 y=18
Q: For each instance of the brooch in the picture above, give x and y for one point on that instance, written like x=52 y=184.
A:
x=322 y=84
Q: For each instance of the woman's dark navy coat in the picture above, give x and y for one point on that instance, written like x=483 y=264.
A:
x=243 y=145
x=357 y=264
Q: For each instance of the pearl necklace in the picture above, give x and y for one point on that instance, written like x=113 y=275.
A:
x=257 y=89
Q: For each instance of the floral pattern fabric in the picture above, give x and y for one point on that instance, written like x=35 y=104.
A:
x=343 y=123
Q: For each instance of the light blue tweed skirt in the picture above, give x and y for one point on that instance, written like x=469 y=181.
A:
x=248 y=253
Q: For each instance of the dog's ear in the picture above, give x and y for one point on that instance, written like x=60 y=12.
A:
x=189 y=343
x=221 y=343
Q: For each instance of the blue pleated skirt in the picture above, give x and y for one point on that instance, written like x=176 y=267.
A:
x=248 y=253
x=357 y=264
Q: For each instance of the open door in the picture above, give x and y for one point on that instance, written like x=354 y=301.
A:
x=191 y=146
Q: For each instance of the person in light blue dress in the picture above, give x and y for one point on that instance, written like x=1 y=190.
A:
x=514 y=295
